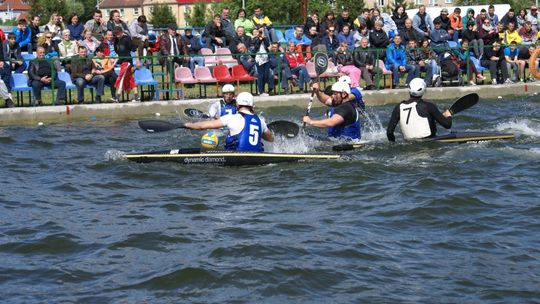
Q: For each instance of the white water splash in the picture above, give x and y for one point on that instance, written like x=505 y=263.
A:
x=372 y=128
x=520 y=126
x=112 y=155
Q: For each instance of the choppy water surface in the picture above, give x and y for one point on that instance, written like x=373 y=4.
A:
x=389 y=223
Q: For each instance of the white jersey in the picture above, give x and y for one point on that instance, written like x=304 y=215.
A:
x=413 y=125
x=214 y=110
x=236 y=122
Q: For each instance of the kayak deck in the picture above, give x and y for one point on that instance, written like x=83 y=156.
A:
x=463 y=137
x=224 y=157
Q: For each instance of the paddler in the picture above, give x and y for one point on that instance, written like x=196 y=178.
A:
x=356 y=95
x=417 y=117
x=246 y=129
x=225 y=106
x=344 y=116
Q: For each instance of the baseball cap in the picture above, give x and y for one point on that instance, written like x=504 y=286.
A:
x=444 y=11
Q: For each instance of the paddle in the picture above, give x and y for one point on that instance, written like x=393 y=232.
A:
x=321 y=64
x=154 y=126
x=283 y=127
x=459 y=105
x=194 y=113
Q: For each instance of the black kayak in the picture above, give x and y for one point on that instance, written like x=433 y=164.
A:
x=195 y=156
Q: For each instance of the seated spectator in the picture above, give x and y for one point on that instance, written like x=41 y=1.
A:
x=239 y=37
x=342 y=19
x=416 y=57
x=215 y=34
x=494 y=60
x=521 y=18
x=488 y=33
x=51 y=49
x=83 y=73
x=317 y=44
x=388 y=25
x=116 y=21
x=40 y=74
x=23 y=35
x=534 y=18
x=75 y=28
x=500 y=31
x=280 y=66
x=527 y=34
x=313 y=20
x=346 y=36
x=138 y=31
x=261 y=45
x=469 y=18
x=302 y=43
x=172 y=49
x=90 y=42
x=422 y=22
x=431 y=67
x=243 y=21
x=193 y=45
x=107 y=46
x=396 y=61
x=125 y=81
x=68 y=49
x=483 y=16
x=465 y=63
x=493 y=18
x=399 y=16
x=456 y=24
x=526 y=56
x=408 y=33
x=345 y=64
x=510 y=17
x=226 y=22
x=364 y=20
x=511 y=34
x=379 y=39
x=246 y=60
x=364 y=59
x=55 y=27
x=471 y=35
x=445 y=22
x=14 y=56
x=359 y=35
x=330 y=41
x=513 y=63
x=297 y=64
x=35 y=31
x=439 y=38
x=328 y=20
x=260 y=20
x=5 y=88
x=105 y=67
x=96 y=25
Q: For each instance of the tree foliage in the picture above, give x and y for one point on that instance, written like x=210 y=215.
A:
x=200 y=15
x=162 y=16
x=45 y=8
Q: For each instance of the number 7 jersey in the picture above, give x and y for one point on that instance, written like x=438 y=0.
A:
x=411 y=123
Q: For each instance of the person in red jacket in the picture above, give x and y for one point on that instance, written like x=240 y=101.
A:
x=297 y=64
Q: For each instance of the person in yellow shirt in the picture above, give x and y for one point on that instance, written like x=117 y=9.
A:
x=260 y=20
x=511 y=35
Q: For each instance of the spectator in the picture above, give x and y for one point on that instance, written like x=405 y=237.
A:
x=226 y=22
x=261 y=45
x=125 y=81
x=105 y=67
x=415 y=58
x=488 y=33
x=399 y=16
x=193 y=44
x=359 y=35
x=345 y=64
x=41 y=74
x=471 y=35
x=55 y=27
x=521 y=18
x=316 y=40
x=245 y=59
x=115 y=20
x=513 y=63
x=408 y=33
x=343 y=19
x=96 y=25
x=138 y=31
x=364 y=59
x=215 y=34
x=481 y=17
x=297 y=64
x=439 y=38
x=34 y=28
x=107 y=46
x=51 y=49
x=260 y=20
x=494 y=60
x=525 y=56
x=445 y=21
x=363 y=21
x=378 y=39
x=493 y=18
x=466 y=64
x=313 y=20
x=510 y=17
x=456 y=24
x=75 y=28
x=389 y=26
x=280 y=66
x=534 y=18
x=396 y=60
x=239 y=37
x=527 y=34
x=302 y=43
x=172 y=49
x=330 y=40
x=328 y=20
x=511 y=35
x=5 y=88
x=375 y=14
x=346 y=36
x=14 y=56
x=470 y=17
x=422 y=22
x=501 y=32
x=67 y=49
x=23 y=35
x=242 y=20
x=83 y=73
x=431 y=66
x=90 y=42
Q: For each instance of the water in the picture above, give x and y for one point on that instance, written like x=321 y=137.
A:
x=390 y=223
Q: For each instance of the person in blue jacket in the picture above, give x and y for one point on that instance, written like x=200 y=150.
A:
x=396 y=61
x=23 y=35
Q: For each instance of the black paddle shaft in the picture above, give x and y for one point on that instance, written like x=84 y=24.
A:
x=321 y=64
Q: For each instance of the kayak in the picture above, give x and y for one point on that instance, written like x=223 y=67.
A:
x=195 y=156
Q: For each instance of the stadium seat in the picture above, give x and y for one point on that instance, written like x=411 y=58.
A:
x=241 y=75
x=69 y=83
x=204 y=77
x=452 y=44
x=280 y=37
x=224 y=56
x=288 y=35
x=143 y=77
x=19 y=84
x=385 y=72
x=310 y=67
x=209 y=58
x=222 y=75
x=183 y=76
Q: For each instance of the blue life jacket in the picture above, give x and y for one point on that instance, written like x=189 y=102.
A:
x=227 y=109
x=250 y=139
x=352 y=131
x=358 y=100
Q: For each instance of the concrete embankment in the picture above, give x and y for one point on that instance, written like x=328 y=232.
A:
x=61 y=114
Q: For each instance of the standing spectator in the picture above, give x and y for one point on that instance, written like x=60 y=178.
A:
x=55 y=27
x=41 y=74
x=534 y=18
x=23 y=35
x=260 y=20
x=330 y=40
x=75 y=28
x=261 y=45
x=138 y=31
x=125 y=81
x=493 y=18
x=471 y=35
x=432 y=67
x=513 y=63
x=364 y=59
x=96 y=25
x=465 y=62
x=14 y=56
x=226 y=22
x=378 y=39
x=34 y=28
x=171 y=44
x=105 y=67
x=90 y=42
x=5 y=88
x=242 y=20
x=488 y=33
x=521 y=18
x=313 y=20
x=396 y=60
x=280 y=66
x=245 y=59
x=83 y=73
x=215 y=34
x=345 y=64
x=422 y=22
x=239 y=37
x=328 y=20
x=456 y=24
x=494 y=60
x=297 y=64
x=439 y=38
x=343 y=19
x=193 y=45
x=399 y=16
x=408 y=33
x=115 y=20
x=346 y=36
x=67 y=49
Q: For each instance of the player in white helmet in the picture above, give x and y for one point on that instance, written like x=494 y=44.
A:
x=227 y=105
x=417 y=117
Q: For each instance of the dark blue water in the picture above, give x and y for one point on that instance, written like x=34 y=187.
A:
x=390 y=223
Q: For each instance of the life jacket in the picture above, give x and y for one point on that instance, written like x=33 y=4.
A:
x=227 y=109
x=358 y=100
x=352 y=131
x=250 y=138
x=413 y=125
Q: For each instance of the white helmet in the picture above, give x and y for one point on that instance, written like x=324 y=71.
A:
x=244 y=99
x=346 y=79
x=341 y=86
x=228 y=88
x=417 y=87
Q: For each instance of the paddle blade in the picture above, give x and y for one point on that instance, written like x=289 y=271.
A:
x=285 y=128
x=347 y=147
x=194 y=113
x=464 y=103
x=153 y=126
x=321 y=63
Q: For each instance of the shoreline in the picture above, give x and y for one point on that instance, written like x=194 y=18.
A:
x=70 y=113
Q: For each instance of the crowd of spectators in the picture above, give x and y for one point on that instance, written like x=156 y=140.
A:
x=363 y=47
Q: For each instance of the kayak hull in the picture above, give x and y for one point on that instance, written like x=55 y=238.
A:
x=463 y=137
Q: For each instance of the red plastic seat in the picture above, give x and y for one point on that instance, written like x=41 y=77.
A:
x=241 y=75
x=221 y=73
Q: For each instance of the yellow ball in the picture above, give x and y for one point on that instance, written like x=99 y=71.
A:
x=210 y=140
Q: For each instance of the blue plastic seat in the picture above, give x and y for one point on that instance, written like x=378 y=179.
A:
x=452 y=44
x=143 y=77
x=288 y=35
x=477 y=64
x=280 y=37
x=19 y=84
